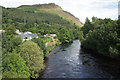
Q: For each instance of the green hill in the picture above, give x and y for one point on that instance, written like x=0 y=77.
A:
x=33 y=19
x=54 y=9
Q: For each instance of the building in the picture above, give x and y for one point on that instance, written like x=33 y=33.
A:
x=18 y=32
x=2 y=31
x=27 y=35
x=52 y=36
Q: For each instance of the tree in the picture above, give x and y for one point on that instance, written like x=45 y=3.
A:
x=13 y=63
x=118 y=28
x=33 y=56
x=118 y=32
x=10 y=29
x=103 y=38
x=41 y=44
x=87 y=26
x=16 y=40
x=10 y=42
x=64 y=35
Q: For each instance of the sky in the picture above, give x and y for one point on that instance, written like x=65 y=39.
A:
x=79 y=8
x=119 y=8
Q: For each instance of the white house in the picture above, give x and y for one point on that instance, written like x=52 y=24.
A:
x=18 y=32
x=53 y=35
x=2 y=31
x=27 y=35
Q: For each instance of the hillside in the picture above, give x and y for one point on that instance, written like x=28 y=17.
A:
x=54 y=9
x=31 y=18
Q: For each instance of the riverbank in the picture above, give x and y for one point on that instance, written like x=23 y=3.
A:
x=109 y=64
x=46 y=59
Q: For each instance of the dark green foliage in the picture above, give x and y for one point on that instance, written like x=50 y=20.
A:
x=64 y=36
x=41 y=44
x=118 y=31
x=87 y=26
x=14 y=64
x=118 y=28
x=10 y=42
x=10 y=29
x=101 y=36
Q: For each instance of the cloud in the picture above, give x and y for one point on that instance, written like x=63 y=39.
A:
x=79 y=8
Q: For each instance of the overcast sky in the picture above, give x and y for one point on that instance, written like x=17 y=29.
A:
x=79 y=8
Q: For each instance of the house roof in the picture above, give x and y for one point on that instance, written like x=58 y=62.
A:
x=23 y=35
x=50 y=35
x=33 y=34
x=27 y=33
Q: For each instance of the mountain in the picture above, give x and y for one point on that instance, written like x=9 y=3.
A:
x=54 y=9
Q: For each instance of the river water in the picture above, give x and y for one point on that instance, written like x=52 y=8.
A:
x=68 y=61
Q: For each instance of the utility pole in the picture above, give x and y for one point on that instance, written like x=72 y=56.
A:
x=24 y=20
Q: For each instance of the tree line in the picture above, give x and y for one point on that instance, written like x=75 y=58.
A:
x=102 y=36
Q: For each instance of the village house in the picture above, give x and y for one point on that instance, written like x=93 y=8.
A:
x=52 y=36
x=2 y=31
x=26 y=35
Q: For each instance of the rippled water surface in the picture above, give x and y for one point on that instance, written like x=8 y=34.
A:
x=66 y=61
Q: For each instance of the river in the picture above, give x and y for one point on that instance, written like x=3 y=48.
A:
x=68 y=61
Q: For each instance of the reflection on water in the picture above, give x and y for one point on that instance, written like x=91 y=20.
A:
x=67 y=62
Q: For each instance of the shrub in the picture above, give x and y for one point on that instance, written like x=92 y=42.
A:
x=33 y=56
x=13 y=64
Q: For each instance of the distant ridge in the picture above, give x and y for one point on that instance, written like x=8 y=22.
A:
x=54 y=9
x=49 y=6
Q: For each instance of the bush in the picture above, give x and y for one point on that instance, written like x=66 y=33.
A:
x=11 y=74
x=14 y=65
x=113 y=52
x=33 y=56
